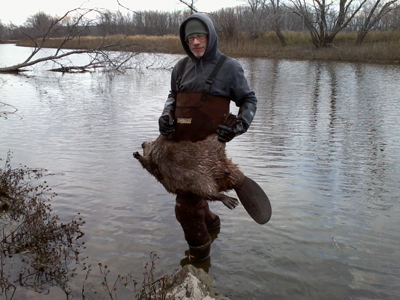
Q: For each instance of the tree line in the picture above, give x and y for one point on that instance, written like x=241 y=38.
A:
x=323 y=19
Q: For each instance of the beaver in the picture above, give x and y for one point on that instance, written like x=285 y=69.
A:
x=201 y=168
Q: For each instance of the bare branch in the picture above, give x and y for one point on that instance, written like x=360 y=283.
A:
x=127 y=8
x=75 y=24
x=190 y=5
x=377 y=11
x=325 y=19
x=5 y=113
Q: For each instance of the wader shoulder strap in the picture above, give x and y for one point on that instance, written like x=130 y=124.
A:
x=213 y=74
x=181 y=70
x=209 y=80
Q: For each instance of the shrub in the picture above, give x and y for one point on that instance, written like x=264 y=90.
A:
x=35 y=248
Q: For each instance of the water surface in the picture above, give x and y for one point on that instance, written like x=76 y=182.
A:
x=324 y=145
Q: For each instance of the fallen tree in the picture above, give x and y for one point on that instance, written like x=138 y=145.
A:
x=70 y=27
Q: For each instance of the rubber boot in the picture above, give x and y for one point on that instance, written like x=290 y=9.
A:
x=199 y=253
x=192 y=213
x=212 y=220
x=204 y=264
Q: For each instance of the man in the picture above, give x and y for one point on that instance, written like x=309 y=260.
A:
x=202 y=87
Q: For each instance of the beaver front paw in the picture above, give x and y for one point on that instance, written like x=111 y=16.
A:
x=136 y=155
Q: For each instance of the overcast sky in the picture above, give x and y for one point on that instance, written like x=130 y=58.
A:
x=17 y=11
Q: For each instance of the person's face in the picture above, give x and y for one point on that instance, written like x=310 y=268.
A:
x=197 y=44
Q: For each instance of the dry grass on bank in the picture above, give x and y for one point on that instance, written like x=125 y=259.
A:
x=139 y=43
x=378 y=46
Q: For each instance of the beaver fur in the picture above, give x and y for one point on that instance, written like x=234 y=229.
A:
x=200 y=168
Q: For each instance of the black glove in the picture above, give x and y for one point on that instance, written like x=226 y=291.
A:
x=226 y=134
x=166 y=121
x=235 y=126
x=166 y=125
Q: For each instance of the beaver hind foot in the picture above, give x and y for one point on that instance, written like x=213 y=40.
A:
x=229 y=202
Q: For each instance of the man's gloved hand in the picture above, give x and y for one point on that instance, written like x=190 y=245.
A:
x=226 y=134
x=166 y=124
x=235 y=126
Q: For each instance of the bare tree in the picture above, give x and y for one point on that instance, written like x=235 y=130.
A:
x=41 y=24
x=391 y=21
x=277 y=21
x=73 y=25
x=226 y=23
x=257 y=18
x=2 y=31
x=372 y=15
x=326 y=19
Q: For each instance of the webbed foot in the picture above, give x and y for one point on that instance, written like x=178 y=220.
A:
x=229 y=202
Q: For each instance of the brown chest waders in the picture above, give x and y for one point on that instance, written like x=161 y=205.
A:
x=195 y=118
x=198 y=114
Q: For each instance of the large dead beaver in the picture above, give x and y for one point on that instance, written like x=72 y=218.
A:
x=200 y=168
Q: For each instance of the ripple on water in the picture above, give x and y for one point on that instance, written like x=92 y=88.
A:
x=324 y=145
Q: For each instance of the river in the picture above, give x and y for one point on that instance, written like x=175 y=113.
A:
x=324 y=145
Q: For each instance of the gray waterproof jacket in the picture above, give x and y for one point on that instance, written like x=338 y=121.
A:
x=230 y=81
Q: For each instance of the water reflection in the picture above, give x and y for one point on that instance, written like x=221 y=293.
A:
x=324 y=145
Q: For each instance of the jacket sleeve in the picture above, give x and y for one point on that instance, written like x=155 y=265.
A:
x=169 y=105
x=248 y=110
x=243 y=96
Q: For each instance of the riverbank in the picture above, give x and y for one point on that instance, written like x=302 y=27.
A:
x=378 y=47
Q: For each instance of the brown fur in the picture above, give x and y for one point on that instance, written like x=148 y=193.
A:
x=200 y=168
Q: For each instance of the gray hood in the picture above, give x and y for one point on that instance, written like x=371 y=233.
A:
x=230 y=82
x=212 y=46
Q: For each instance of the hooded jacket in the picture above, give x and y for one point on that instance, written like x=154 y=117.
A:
x=229 y=83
